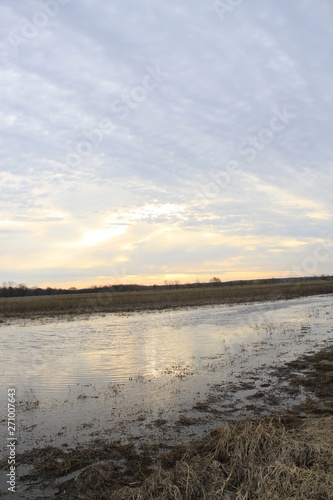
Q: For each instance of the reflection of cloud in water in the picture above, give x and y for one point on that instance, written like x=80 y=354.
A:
x=120 y=373
x=115 y=348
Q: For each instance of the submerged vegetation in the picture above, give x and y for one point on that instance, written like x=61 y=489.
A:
x=270 y=458
x=127 y=298
x=278 y=456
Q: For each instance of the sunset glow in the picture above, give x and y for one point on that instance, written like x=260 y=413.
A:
x=166 y=142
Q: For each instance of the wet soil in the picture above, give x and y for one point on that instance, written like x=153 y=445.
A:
x=102 y=467
x=311 y=375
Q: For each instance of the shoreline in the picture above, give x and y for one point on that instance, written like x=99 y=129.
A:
x=279 y=455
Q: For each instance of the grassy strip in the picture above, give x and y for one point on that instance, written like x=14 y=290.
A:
x=23 y=307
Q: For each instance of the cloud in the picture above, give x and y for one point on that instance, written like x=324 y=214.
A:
x=148 y=190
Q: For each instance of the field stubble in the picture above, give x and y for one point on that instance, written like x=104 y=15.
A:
x=82 y=304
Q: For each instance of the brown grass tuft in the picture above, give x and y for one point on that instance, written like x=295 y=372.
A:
x=249 y=460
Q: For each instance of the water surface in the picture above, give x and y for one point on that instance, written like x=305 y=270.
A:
x=132 y=376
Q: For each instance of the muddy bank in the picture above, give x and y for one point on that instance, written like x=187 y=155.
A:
x=279 y=455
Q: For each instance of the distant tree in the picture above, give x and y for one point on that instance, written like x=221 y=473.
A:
x=215 y=280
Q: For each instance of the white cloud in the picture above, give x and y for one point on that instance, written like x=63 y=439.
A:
x=135 y=200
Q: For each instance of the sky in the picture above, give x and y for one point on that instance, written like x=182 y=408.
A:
x=153 y=141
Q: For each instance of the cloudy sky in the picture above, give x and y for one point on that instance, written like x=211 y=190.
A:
x=150 y=141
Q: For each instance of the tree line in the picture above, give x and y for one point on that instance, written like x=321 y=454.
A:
x=11 y=289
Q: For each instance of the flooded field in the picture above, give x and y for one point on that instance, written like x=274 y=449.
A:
x=154 y=377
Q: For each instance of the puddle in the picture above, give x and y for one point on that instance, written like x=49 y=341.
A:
x=159 y=377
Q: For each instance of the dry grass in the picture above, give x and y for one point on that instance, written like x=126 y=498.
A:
x=23 y=307
x=274 y=458
x=249 y=460
x=268 y=459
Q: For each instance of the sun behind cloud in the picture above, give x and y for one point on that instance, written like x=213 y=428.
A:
x=97 y=237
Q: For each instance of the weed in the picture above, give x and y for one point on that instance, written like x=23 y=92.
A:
x=29 y=401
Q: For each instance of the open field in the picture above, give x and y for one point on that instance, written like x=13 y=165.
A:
x=25 y=307
x=274 y=457
x=268 y=430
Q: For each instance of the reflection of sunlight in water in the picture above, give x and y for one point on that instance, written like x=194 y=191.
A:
x=117 y=374
x=116 y=348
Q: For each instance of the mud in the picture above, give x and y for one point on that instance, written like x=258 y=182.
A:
x=110 y=465
x=279 y=364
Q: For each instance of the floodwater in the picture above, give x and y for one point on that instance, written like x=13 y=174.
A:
x=151 y=376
